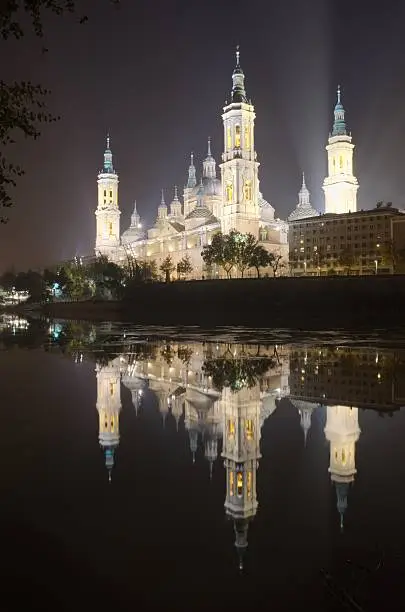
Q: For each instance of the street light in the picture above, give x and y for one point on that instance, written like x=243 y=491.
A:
x=376 y=265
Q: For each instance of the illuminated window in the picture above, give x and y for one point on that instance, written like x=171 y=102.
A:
x=111 y=388
x=341 y=162
x=229 y=192
x=231 y=484
x=247 y=137
x=237 y=136
x=111 y=194
x=343 y=456
x=247 y=189
x=239 y=483
x=231 y=428
x=249 y=484
x=249 y=429
x=334 y=164
x=110 y=226
x=105 y=193
x=229 y=138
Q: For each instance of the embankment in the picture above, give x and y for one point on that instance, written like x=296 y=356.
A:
x=306 y=303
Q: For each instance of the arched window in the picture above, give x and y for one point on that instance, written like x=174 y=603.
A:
x=247 y=137
x=237 y=137
x=229 y=138
x=239 y=483
x=231 y=428
x=249 y=429
x=231 y=484
x=249 y=484
x=229 y=192
x=110 y=228
x=341 y=162
x=247 y=190
x=343 y=456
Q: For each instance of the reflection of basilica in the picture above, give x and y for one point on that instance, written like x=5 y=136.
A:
x=225 y=392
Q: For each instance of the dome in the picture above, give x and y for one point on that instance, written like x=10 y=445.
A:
x=212 y=186
x=132 y=234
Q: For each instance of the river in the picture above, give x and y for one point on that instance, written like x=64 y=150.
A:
x=166 y=468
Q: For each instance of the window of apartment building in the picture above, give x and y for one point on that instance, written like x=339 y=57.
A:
x=328 y=247
x=356 y=246
x=302 y=250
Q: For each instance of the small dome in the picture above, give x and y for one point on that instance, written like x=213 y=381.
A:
x=212 y=186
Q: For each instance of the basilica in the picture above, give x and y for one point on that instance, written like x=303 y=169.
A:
x=221 y=200
x=212 y=202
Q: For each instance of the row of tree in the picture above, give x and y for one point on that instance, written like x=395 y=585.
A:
x=236 y=251
x=104 y=279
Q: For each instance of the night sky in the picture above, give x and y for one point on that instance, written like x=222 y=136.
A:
x=155 y=74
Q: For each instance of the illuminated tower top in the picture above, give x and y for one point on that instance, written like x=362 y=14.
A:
x=238 y=79
x=209 y=165
x=192 y=181
x=339 y=125
x=304 y=208
x=108 y=167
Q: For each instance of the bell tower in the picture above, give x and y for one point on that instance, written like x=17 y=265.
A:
x=241 y=453
x=340 y=186
x=107 y=213
x=342 y=431
x=109 y=407
x=239 y=168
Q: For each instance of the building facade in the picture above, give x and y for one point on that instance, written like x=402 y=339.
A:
x=218 y=202
x=354 y=243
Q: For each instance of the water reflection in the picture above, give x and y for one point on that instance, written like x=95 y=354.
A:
x=222 y=394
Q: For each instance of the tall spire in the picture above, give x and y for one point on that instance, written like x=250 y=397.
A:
x=304 y=208
x=238 y=80
x=108 y=163
x=192 y=181
x=339 y=125
x=175 y=193
x=162 y=201
x=303 y=196
x=135 y=218
x=209 y=169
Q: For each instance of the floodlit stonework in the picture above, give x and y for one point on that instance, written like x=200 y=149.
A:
x=220 y=200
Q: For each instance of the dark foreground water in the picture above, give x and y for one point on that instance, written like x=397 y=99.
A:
x=170 y=470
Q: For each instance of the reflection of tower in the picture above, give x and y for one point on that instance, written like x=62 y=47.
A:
x=241 y=451
x=305 y=410
x=136 y=386
x=342 y=431
x=109 y=406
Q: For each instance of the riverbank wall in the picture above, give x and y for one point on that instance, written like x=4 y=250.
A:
x=305 y=303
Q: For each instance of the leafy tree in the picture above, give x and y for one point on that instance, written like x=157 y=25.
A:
x=276 y=262
x=167 y=267
x=237 y=373
x=78 y=282
x=184 y=267
x=22 y=105
x=346 y=259
x=245 y=245
x=107 y=277
x=222 y=252
x=260 y=258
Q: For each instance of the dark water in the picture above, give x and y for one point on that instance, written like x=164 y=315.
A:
x=169 y=470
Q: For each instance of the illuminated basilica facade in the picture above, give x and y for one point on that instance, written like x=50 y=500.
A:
x=220 y=200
